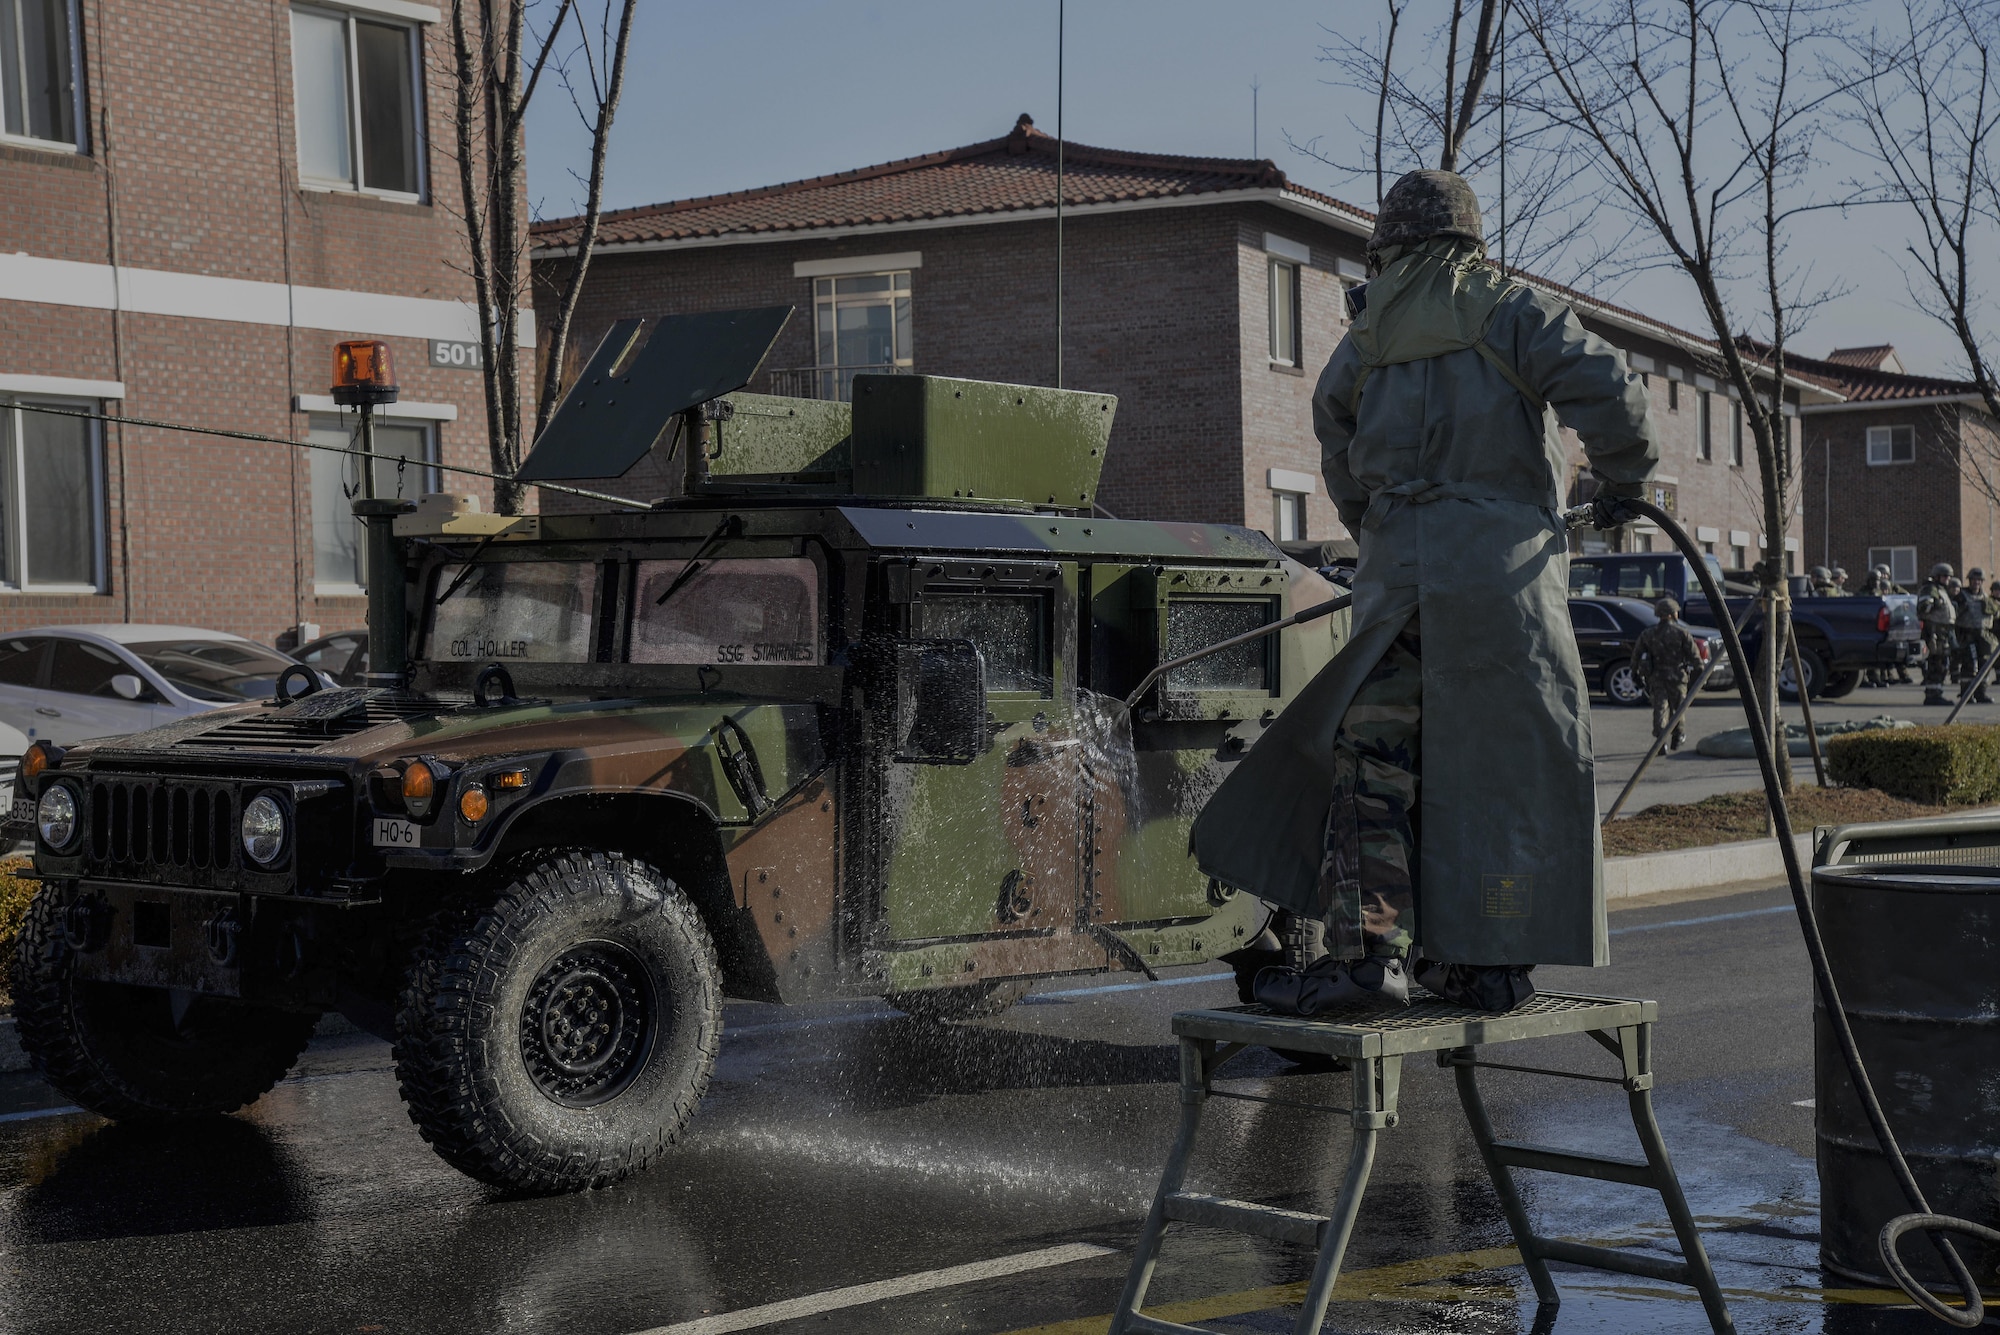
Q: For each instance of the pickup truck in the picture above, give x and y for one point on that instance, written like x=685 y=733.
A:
x=1838 y=637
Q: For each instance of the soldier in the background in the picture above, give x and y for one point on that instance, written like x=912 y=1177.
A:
x=1840 y=589
x=1977 y=613
x=1885 y=584
x=1822 y=583
x=1666 y=657
x=1961 y=651
x=1938 y=615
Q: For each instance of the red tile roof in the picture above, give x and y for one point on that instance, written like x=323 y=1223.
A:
x=1014 y=173
x=1872 y=358
x=1867 y=384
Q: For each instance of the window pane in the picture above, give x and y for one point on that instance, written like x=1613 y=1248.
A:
x=903 y=329
x=1007 y=629
x=338 y=544
x=824 y=347
x=866 y=335
x=1196 y=623
x=730 y=611
x=39 y=70
x=21 y=661
x=59 y=501
x=411 y=443
x=388 y=113
x=319 y=95
x=528 y=611
x=868 y=282
x=85 y=669
x=223 y=671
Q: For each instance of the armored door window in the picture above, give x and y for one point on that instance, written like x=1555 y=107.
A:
x=516 y=611
x=861 y=324
x=39 y=88
x=749 y=610
x=1010 y=630
x=1196 y=623
x=356 y=97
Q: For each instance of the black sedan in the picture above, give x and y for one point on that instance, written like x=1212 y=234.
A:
x=1606 y=629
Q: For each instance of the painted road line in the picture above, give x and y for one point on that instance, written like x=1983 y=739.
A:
x=1699 y=922
x=861 y=1295
x=33 y=1113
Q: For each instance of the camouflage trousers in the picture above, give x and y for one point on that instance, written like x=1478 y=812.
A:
x=1975 y=646
x=1368 y=878
x=1939 y=642
x=1666 y=690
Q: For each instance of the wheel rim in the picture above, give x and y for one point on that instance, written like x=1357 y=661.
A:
x=588 y=1024
x=1624 y=687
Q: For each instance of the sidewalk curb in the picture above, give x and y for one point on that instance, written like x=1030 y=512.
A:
x=1698 y=868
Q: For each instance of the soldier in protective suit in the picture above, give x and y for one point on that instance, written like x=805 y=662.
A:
x=1937 y=612
x=1430 y=794
x=1977 y=612
x=1666 y=657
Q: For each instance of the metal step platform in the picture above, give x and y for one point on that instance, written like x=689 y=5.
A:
x=1374 y=1044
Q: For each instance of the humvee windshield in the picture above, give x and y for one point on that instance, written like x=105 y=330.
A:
x=529 y=611
x=747 y=610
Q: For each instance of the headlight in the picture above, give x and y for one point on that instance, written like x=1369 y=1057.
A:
x=264 y=830
x=55 y=816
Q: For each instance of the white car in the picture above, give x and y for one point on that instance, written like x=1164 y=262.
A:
x=65 y=683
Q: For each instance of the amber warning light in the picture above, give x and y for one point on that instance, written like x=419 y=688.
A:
x=363 y=373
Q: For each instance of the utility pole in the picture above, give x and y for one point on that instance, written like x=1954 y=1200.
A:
x=1059 y=193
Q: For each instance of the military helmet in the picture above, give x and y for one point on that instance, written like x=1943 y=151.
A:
x=1840 y=572
x=1667 y=607
x=1425 y=204
x=1975 y=573
x=1942 y=570
x=1882 y=571
x=1822 y=574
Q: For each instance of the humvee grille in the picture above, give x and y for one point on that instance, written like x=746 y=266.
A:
x=277 y=730
x=142 y=825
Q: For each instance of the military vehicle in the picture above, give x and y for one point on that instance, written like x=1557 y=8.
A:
x=836 y=720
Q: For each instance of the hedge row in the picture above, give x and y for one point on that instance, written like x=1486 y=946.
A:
x=14 y=896
x=1954 y=766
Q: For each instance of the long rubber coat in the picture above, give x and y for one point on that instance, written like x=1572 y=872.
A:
x=1450 y=478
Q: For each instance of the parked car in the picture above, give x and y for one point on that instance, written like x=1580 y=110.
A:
x=342 y=658
x=65 y=683
x=1838 y=638
x=1606 y=629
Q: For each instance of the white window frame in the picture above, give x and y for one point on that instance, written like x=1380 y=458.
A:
x=1283 y=295
x=826 y=361
x=1885 y=437
x=1902 y=563
x=14 y=488
x=79 y=111
x=1280 y=501
x=433 y=451
x=1735 y=434
x=419 y=113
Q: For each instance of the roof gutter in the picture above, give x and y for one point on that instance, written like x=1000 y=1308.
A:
x=1927 y=401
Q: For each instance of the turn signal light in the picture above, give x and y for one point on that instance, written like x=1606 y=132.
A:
x=37 y=759
x=419 y=788
x=472 y=804
x=513 y=778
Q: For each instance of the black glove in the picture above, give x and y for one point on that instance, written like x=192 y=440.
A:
x=1610 y=511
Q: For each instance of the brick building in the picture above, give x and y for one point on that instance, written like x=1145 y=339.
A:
x=1900 y=472
x=198 y=198
x=1205 y=293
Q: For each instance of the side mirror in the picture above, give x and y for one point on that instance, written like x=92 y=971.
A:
x=127 y=686
x=940 y=703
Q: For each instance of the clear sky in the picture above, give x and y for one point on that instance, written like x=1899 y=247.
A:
x=725 y=96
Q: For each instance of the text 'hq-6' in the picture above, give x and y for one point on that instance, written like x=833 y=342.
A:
x=839 y=720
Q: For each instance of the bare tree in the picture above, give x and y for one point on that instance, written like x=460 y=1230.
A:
x=498 y=62
x=1925 y=114
x=1700 y=118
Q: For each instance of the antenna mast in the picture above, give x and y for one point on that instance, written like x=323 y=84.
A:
x=1059 y=193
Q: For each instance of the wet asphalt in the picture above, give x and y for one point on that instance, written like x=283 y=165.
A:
x=843 y=1144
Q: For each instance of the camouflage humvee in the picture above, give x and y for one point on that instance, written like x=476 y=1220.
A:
x=841 y=721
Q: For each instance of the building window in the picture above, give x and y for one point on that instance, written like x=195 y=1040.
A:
x=1290 y=522
x=1739 y=556
x=339 y=549
x=1642 y=542
x=358 y=99
x=1708 y=548
x=1706 y=413
x=1673 y=396
x=861 y=325
x=51 y=499
x=1902 y=563
x=1892 y=445
x=39 y=82
x=1735 y=435
x=1284 y=313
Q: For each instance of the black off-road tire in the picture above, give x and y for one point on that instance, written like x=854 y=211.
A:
x=115 y=1049
x=557 y=1034
x=940 y=1005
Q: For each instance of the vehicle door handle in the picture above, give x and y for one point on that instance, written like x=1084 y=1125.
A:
x=47 y=712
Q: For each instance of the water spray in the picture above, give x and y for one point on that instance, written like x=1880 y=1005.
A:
x=1609 y=513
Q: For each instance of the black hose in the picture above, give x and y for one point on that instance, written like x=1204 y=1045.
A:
x=1974 y=1311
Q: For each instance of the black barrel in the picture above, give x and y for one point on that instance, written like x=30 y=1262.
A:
x=1915 y=952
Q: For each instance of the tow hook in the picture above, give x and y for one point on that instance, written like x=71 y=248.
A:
x=221 y=933
x=739 y=764
x=86 y=925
